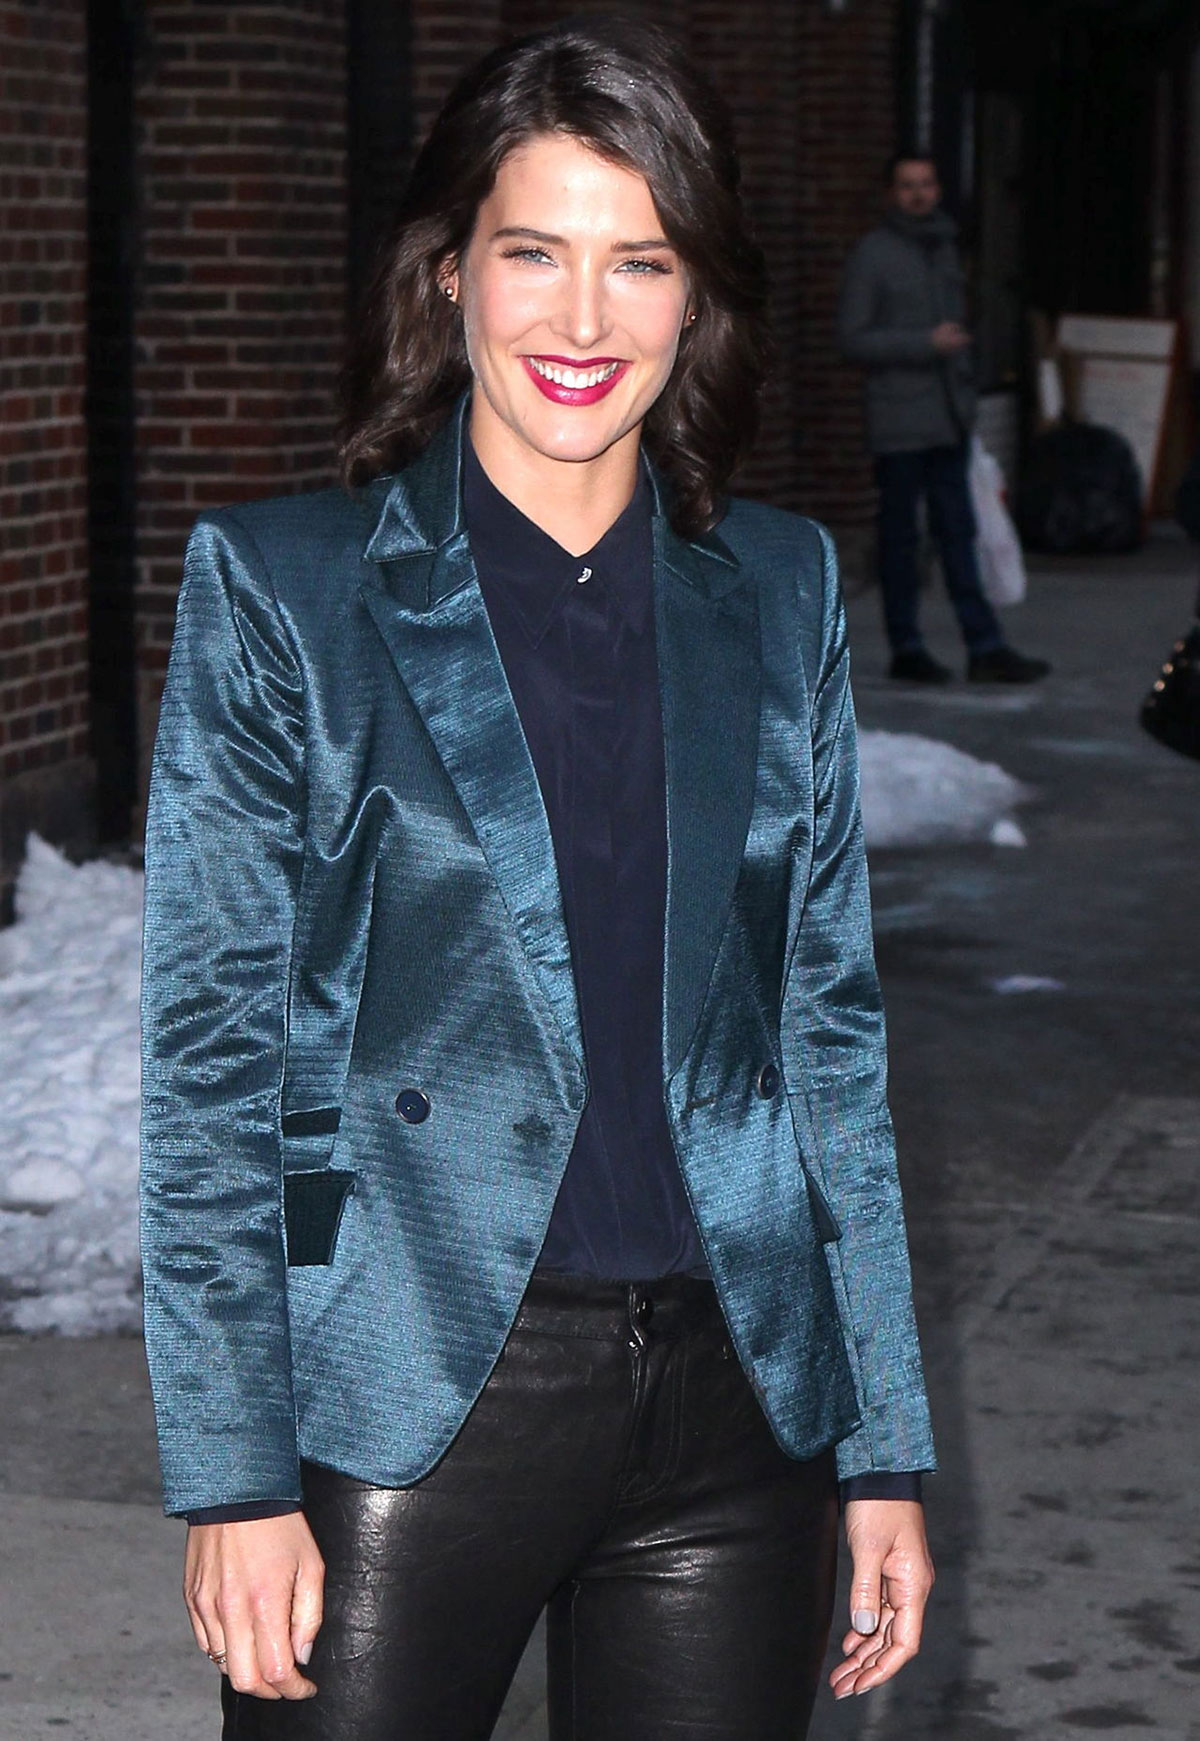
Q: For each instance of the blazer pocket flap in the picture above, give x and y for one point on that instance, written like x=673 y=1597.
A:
x=312 y=1213
x=318 y=1121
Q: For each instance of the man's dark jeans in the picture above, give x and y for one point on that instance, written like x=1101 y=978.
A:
x=940 y=474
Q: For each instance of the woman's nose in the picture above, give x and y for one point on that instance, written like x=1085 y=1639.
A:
x=582 y=316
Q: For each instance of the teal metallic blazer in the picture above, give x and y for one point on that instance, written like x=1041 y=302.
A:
x=351 y=892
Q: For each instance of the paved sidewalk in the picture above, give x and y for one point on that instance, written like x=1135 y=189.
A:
x=1050 y=1144
x=1066 y=1523
x=91 y=1640
x=1051 y=1149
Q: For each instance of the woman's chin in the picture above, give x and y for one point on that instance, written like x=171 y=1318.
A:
x=574 y=436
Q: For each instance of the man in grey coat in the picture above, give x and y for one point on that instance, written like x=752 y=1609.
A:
x=902 y=315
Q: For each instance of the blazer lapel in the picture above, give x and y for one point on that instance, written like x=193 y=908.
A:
x=423 y=594
x=427 y=604
x=711 y=670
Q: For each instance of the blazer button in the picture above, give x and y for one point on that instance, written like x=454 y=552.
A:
x=768 y=1082
x=412 y=1105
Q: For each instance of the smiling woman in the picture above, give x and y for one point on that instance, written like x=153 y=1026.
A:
x=673 y=219
x=520 y=1217
x=571 y=337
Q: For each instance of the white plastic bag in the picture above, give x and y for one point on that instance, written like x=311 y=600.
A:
x=1001 y=561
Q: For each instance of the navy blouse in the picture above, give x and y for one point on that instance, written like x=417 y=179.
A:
x=576 y=638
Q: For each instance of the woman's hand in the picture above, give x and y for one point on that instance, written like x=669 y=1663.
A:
x=253 y=1592
x=893 y=1575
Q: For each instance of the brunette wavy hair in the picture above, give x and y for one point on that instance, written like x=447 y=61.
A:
x=627 y=90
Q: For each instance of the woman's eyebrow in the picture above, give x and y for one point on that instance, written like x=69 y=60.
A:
x=523 y=231
x=528 y=234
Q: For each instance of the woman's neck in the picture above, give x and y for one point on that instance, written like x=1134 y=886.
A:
x=573 y=501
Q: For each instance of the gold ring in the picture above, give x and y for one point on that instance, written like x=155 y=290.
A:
x=217 y=1656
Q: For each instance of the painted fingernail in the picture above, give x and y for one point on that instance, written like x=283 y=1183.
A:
x=864 y=1621
x=304 y=1656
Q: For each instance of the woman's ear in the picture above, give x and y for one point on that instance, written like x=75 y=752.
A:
x=447 y=279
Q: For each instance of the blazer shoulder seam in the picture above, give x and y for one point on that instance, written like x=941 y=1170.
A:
x=264 y=564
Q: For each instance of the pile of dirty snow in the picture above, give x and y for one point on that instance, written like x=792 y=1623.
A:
x=69 y=1097
x=918 y=792
x=69 y=1041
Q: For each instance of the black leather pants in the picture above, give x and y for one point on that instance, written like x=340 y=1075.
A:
x=618 y=1469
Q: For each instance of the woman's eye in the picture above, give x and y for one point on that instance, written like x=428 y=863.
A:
x=640 y=267
x=537 y=255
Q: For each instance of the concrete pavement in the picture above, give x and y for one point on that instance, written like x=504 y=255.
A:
x=1051 y=1149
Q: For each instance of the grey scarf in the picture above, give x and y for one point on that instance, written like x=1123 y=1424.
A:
x=930 y=231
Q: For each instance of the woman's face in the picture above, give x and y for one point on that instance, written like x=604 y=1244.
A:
x=572 y=302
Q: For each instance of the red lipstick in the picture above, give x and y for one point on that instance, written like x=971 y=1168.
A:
x=560 y=395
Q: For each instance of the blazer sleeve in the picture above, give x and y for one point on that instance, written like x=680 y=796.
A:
x=833 y=1015
x=862 y=335
x=223 y=854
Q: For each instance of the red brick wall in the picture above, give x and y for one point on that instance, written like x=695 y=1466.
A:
x=241 y=290
x=242 y=300
x=845 y=134
x=43 y=529
x=448 y=36
x=754 y=61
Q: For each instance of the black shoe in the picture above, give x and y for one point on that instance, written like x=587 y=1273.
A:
x=919 y=667
x=1005 y=665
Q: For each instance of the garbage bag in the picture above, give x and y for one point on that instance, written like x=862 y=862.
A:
x=1081 y=492
x=1187 y=500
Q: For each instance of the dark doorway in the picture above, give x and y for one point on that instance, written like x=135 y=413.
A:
x=380 y=130
x=113 y=33
x=1060 y=128
x=1096 y=90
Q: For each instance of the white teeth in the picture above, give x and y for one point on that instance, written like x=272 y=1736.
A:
x=574 y=378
